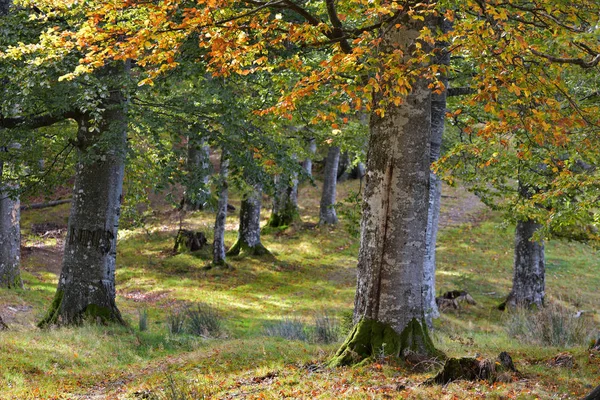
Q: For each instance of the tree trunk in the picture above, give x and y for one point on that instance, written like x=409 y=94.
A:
x=285 y=201
x=343 y=165
x=86 y=287
x=5 y=6
x=10 y=238
x=307 y=163
x=327 y=213
x=248 y=241
x=197 y=193
x=594 y=394
x=389 y=308
x=438 y=116
x=529 y=268
x=219 y=231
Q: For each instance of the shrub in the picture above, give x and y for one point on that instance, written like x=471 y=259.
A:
x=552 y=325
x=143 y=319
x=203 y=320
x=176 y=321
x=327 y=329
x=287 y=328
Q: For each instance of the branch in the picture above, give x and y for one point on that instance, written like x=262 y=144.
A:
x=567 y=60
x=34 y=122
x=460 y=91
x=337 y=31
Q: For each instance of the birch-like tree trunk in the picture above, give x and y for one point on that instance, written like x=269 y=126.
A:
x=221 y=219
x=248 y=241
x=529 y=276
x=285 y=201
x=86 y=287
x=197 y=193
x=438 y=117
x=389 y=308
x=10 y=237
x=308 y=163
x=327 y=214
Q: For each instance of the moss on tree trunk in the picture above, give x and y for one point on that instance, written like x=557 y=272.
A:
x=91 y=313
x=370 y=338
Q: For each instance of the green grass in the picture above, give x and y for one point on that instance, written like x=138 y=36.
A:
x=312 y=270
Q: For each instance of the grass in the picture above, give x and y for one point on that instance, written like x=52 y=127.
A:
x=312 y=268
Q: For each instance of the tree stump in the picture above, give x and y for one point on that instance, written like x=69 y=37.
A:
x=3 y=326
x=187 y=240
x=474 y=369
x=452 y=299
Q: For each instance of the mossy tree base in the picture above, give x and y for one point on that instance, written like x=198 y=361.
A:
x=283 y=220
x=371 y=338
x=61 y=313
x=244 y=249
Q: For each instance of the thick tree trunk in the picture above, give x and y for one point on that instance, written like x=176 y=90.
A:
x=219 y=231
x=307 y=163
x=285 y=201
x=438 y=116
x=86 y=287
x=10 y=238
x=197 y=193
x=594 y=394
x=248 y=241
x=529 y=268
x=389 y=308
x=327 y=213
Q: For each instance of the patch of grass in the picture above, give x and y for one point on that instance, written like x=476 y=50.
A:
x=287 y=328
x=552 y=325
x=204 y=320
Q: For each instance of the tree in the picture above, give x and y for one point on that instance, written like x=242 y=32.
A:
x=248 y=241
x=86 y=287
x=10 y=217
x=197 y=192
x=221 y=218
x=285 y=200
x=10 y=237
x=327 y=215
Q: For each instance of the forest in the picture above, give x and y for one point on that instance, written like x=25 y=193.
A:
x=269 y=199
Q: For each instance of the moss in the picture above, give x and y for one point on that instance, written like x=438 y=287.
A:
x=51 y=317
x=283 y=219
x=242 y=248
x=370 y=338
x=94 y=313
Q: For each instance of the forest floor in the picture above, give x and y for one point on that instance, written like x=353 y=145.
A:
x=268 y=346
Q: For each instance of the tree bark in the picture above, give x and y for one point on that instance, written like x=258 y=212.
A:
x=248 y=241
x=4 y=7
x=86 y=287
x=307 y=163
x=285 y=201
x=594 y=394
x=389 y=308
x=10 y=238
x=197 y=192
x=529 y=277
x=438 y=117
x=327 y=214
x=343 y=165
x=219 y=230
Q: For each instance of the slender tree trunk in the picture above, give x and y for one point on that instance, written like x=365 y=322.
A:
x=438 y=117
x=594 y=394
x=248 y=241
x=285 y=201
x=327 y=213
x=197 y=192
x=86 y=287
x=219 y=231
x=307 y=163
x=10 y=220
x=529 y=268
x=343 y=165
x=10 y=238
x=389 y=308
